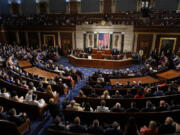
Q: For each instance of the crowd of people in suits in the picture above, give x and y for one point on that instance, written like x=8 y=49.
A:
x=144 y=91
x=148 y=107
x=137 y=91
x=131 y=128
x=12 y=116
x=29 y=98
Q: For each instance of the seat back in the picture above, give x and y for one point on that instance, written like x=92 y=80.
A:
x=8 y=128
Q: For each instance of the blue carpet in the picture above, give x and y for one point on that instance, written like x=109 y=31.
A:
x=34 y=124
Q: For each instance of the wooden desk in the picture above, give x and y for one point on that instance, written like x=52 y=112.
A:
x=143 y=79
x=40 y=72
x=24 y=63
x=169 y=74
x=100 y=63
x=104 y=51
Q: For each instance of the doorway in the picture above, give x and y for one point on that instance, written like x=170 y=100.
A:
x=66 y=45
x=49 y=41
x=167 y=45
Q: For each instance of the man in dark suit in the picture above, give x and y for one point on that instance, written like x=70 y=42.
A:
x=133 y=108
x=162 y=106
x=57 y=124
x=76 y=126
x=117 y=108
x=117 y=95
x=114 y=51
x=53 y=108
x=93 y=93
x=158 y=92
x=95 y=128
x=128 y=94
x=78 y=72
x=114 y=130
x=168 y=126
x=148 y=108
x=2 y=113
x=89 y=49
x=13 y=117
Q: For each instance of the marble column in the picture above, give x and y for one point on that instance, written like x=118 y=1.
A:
x=154 y=41
x=27 y=39
x=135 y=42
x=59 y=40
x=17 y=37
x=122 y=41
x=39 y=39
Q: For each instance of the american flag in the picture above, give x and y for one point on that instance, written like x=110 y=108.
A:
x=103 y=40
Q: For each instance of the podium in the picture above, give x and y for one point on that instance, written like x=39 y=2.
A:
x=104 y=51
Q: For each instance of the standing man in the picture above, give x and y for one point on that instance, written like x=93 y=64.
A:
x=141 y=53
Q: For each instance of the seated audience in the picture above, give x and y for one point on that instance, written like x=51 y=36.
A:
x=100 y=79
x=108 y=86
x=53 y=108
x=74 y=106
x=93 y=93
x=31 y=86
x=162 y=106
x=117 y=95
x=24 y=85
x=95 y=128
x=17 y=119
x=133 y=108
x=4 y=93
x=118 y=85
x=105 y=95
x=128 y=94
x=15 y=97
x=3 y=115
x=76 y=126
x=151 y=130
x=57 y=124
x=40 y=103
x=149 y=93
x=40 y=87
x=148 y=108
x=158 y=92
x=50 y=91
x=65 y=102
x=139 y=94
x=81 y=94
x=88 y=107
x=98 y=85
x=168 y=126
x=28 y=96
x=102 y=108
x=115 y=129
x=131 y=127
x=117 y=108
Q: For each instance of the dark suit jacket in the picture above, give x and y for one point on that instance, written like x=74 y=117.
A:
x=117 y=110
x=112 y=131
x=147 y=110
x=94 y=130
x=167 y=129
x=53 y=109
x=57 y=127
x=17 y=120
x=132 y=110
x=77 y=128
x=3 y=116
